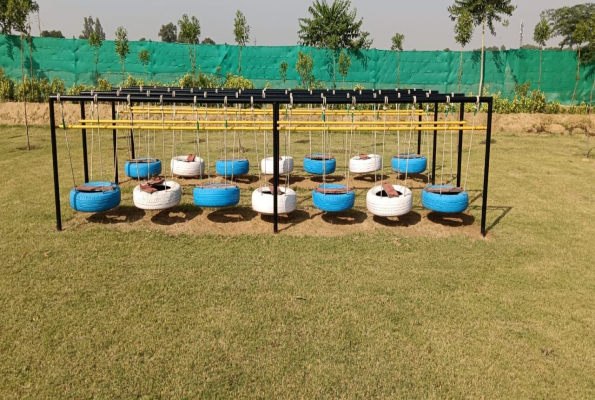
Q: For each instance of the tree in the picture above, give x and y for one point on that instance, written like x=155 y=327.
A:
x=208 y=40
x=96 y=42
x=122 y=48
x=145 y=58
x=241 y=31
x=54 y=34
x=483 y=13
x=190 y=34
x=564 y=21
x=333 y=27
x=581 y=35
x=90 y=26
x=168 y=33
x=142 y=39
x=541 y=35
x=344 y=65
x=463 y=35
x=397 y=45
x=283 y=71
x=304 y=67
x=99 y=29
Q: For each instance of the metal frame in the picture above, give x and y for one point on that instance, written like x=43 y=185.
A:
x=275 y=97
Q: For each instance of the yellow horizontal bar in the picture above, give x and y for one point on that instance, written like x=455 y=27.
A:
x=268 y=123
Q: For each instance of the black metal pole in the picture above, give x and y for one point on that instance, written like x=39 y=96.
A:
x=486 y=169
x=84 y=138
x=275 y=164
x=434 y=145
x=55 y=166
x=419 y=133
x=460 y=153
x=115 y=140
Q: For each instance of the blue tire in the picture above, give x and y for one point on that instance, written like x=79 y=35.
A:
x=215 y=195
x=319 y=167
x=415 y=166
x=446 y=203
x=95 y=201
x=142 y=170
x=333 y=202
x=234 y=167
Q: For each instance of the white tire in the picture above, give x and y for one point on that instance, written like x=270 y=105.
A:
x=181 y=167
x=384 y=206
x=159 y=200
x=262 y=201
x=285 y=165
x=358 y=165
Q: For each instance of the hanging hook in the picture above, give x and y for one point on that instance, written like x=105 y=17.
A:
x=252 y=102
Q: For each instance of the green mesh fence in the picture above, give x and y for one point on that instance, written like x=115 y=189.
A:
x=72 y=60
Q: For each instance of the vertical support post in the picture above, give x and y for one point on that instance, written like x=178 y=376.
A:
x=421 y=107
x=275 y=165
x=435 y=142
x=460 y=153
x=84 y=139
x=55 y=165
x=486 y=168
x=115 y=140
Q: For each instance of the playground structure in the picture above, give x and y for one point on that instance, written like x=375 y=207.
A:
x=328 y=112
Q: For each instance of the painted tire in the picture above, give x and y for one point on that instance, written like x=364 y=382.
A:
x=333 y=202
x=181 y=167
x=285 y=165
x=160 y=200
x=415 y=166
x=445 y=203
x=318 y=167
x=384 y=206
x=359 y=166
x=216 y=196
x=234 y=167
x=95 y=201
x=144 y=171
x=262 y=201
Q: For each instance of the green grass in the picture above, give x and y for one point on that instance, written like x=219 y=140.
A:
x=99 y=311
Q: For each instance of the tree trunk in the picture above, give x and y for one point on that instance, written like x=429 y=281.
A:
x=240 y=63
x=96 y=68
x=578 y=72
x=398 y=69
x=540 y=64
x=460 y=71
x=24 y=95
x=591 y=98
x=483 y=36
x=334 y=71
x=123 y=73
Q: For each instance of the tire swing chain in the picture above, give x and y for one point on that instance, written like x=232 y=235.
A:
x=410 y=136
x=427 y=139
x=66 y=138
x=99 y=142
x=197 y=148
x=477 y=106
x=383 y=143
x=256 y=140
x=444 y=143
x=288 y=140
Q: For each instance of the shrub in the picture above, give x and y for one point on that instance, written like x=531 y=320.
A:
x=237 y=82
x=6 y=87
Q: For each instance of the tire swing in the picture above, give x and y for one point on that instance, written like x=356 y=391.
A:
x=192 y=165
x=408 y=163
x=443 y=198
x=158 y=193
x=141 y=167
x=387 y=200
x=286 y=163
x=94 y=196
x=262 y=198
x=234 y=166
x=319 y=163
x=364 y=163
x=217 y=195
x=333 y=197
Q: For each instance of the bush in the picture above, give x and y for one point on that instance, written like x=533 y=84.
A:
x=6 y=87
x=237 y=82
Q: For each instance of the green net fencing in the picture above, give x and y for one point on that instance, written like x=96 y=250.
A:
x=73 y=61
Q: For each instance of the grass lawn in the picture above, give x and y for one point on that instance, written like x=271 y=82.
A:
x=105 y=310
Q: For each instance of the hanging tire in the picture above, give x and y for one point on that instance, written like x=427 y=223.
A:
x=262 y=201
x=95 y=201
x=216 y=195
x=285 y=165
x=409 y=165
x=447 y=203
x=378 y=202
x=359 y=165
x=167 y=195
x=234 y=167
x=181 y=167
x=319 y=167
x=141 y=169
x=333 y=202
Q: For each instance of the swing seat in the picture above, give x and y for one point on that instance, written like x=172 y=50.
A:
x=142 y=168
x=452 y=200
x=236 y=167
x=89 y=197
x=216 y=195
x=262 y=200
x=388 y=200
x=365 y=163
x=285 y=165
x=188 y=166
x=333 y=197
x=319 y=164
x=157 y=195
x=409 y=163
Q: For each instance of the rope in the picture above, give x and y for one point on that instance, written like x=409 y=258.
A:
x=409 y=145
x=310 y=132
x=100 y=155
x=288 y=145
x=208 y=148
x=323 y=149
x=92 y=139
x=225 y=148
x=256 y=144
x=443 y=152
x=470 y=144
x=265 y=143
x=427 y=139
x=197 y=148
x=383 y=146
x=67 y=145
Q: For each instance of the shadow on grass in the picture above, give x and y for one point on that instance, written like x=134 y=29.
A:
x=411 y=218
x=231 y=215
x=351 y=217
x=295 y=218
x=175 y=216
x=504 y=210
x=292 y=179
x=245 y=179
x=451 y=220
x=369 y=178
x=119 y=215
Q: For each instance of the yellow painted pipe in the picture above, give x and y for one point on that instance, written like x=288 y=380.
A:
x=268 y=123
